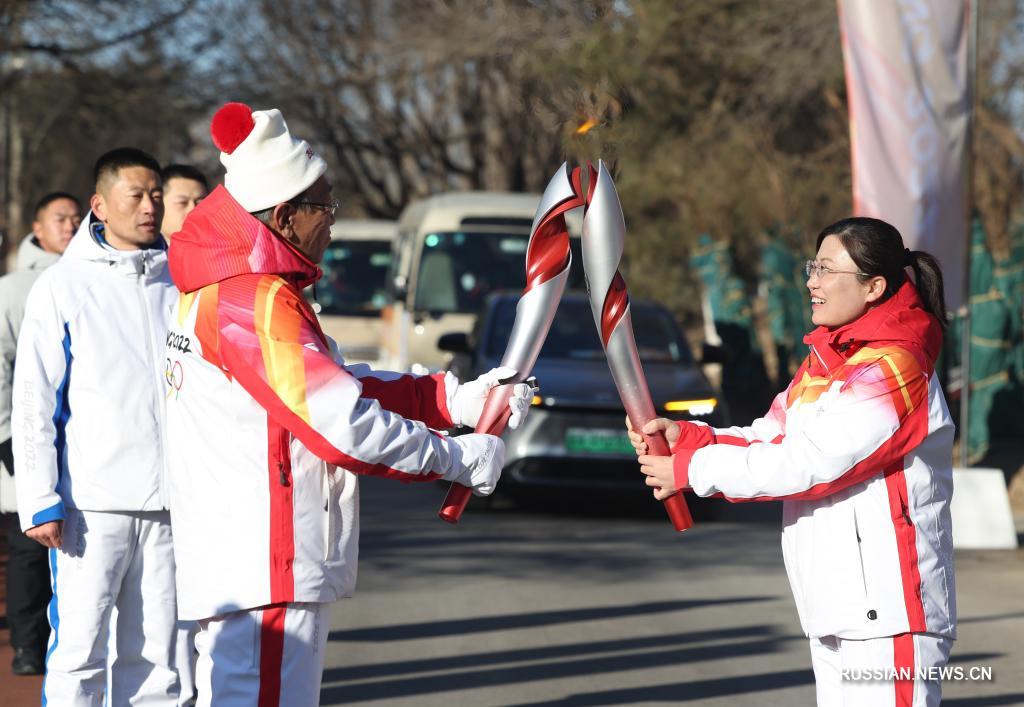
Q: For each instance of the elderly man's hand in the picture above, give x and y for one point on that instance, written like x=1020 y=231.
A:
x=478 y=462
x=48 y=534
x=469 y=399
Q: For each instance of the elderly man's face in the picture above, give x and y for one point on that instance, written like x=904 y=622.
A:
x=181 y=195
x=308 y=225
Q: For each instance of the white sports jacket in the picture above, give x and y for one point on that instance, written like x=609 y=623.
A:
x=859 y=448
x=14 y=289
x=266 y=429
x=88 y=400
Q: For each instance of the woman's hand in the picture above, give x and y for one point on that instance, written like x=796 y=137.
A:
x=658 y=424
x=660 y=475
x=660 y=471
x=679 y=435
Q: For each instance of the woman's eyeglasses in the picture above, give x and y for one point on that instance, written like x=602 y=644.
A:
x=815 y=269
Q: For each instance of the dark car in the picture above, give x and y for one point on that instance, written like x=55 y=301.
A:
x=575 y=434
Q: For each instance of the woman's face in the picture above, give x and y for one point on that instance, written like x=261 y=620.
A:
x=837 y=295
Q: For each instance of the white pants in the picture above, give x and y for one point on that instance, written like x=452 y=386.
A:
x=185 y=660
x=272 y=656
x=108 y=560
x=850 y=673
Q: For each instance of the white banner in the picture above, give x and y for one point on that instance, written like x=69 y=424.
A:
x=906 y=85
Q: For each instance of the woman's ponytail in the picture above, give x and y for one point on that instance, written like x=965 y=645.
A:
x=928 y=279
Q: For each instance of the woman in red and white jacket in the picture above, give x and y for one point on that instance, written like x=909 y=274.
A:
x=859 y=449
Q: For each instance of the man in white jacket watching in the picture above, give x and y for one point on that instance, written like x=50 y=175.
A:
x=56 y=218
x=87 y=419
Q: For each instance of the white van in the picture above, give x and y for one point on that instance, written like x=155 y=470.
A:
x=349 y=298
x=452 y=250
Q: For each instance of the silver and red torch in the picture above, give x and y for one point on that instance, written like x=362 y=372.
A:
x=604 y=231
x=547 y=270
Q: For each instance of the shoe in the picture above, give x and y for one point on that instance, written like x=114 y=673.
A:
x=27 y=662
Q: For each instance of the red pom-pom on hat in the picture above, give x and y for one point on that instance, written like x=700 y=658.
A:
x=231 y=125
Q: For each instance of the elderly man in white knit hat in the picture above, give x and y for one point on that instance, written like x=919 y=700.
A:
x=268 y=429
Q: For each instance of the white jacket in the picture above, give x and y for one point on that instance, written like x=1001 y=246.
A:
x=88 y=387
x=14 y=288
x=267 y=429
x=859 y=448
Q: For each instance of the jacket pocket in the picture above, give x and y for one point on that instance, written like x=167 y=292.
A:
x=332 y=523
x=860 y=556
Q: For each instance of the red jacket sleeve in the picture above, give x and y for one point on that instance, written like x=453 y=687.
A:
x=269 y=341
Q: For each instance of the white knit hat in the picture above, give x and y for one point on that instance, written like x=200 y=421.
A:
x=265 y=164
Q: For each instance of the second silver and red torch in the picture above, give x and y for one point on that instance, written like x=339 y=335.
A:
x=547 y=270
x=604 y=231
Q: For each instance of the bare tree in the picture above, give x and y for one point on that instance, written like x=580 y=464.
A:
x=411 y=97
x=77 y=78
x=721 y=117
x=998 y=161
x=726 y=117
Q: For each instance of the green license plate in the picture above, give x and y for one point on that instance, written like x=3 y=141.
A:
x=597 y=441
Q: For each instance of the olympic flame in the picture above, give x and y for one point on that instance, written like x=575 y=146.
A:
x=547 y=270
x=604 y=232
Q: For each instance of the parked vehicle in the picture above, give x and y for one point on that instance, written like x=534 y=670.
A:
x=349 y=298
x=452 y=250
x=575 y=435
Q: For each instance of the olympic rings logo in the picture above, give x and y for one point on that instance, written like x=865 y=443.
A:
x=174 y=376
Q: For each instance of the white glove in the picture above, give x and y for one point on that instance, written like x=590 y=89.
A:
x=469 y=398
x=478 y=462
x=520 y=402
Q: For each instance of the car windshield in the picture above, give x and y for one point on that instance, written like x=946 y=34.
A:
x=458 y=270
x=574 y=336
x=355 y=277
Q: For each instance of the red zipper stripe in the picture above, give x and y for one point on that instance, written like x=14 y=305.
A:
x=281 y=520
x=906 y=545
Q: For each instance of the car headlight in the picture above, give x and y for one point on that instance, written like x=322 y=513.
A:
x=704 y=406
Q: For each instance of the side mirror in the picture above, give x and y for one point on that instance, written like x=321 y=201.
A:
x=712 y=353
x=399 y=290
x=455 y=342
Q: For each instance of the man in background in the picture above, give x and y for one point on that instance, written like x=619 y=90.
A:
x=56 y=218
x=88 y=444
x=184 y=187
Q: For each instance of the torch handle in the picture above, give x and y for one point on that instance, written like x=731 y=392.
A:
x=493 y=420
x=455 y=503
x=675 y=505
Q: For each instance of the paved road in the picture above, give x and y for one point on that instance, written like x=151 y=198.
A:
x=559 y=607
x=545 y=608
